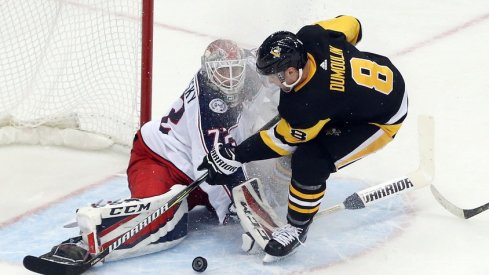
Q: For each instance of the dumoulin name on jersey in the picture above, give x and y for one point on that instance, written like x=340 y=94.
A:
x=343 y=86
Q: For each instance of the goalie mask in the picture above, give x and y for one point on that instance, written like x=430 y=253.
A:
x=224 y=64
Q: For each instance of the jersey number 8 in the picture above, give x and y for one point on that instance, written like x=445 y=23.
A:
x=372 y=75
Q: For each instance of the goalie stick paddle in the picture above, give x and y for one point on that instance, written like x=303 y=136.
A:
x=43 y=266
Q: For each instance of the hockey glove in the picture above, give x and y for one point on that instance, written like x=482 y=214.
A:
x=220 y=161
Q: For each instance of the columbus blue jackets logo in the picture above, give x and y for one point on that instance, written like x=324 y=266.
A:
x=218 y=105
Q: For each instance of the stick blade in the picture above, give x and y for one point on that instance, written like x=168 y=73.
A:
x=42 y=266
x=452 y=208
x=455 y=210
x=469 y=213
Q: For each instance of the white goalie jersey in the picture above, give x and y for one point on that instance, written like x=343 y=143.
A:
x=199 y=119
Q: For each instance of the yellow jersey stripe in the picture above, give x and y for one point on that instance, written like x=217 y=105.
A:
x=285 y=130
x=305 y=196
x=391 y=130
x=373 y=146
x=348 y=25
x=272 y=145
x=304 y=211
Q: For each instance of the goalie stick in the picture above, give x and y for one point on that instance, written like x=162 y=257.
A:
x=48 y=267
x=44 y=266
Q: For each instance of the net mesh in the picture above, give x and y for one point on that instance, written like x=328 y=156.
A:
x=71 y=64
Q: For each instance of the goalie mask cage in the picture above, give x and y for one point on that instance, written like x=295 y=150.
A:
x=76 y=72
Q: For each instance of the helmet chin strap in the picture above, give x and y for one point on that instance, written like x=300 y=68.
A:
x=291 y=86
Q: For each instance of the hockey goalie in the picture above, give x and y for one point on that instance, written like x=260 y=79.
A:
x=219 y=106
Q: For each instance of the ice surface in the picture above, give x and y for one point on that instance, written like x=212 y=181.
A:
x=441 y=49
x=333 y=239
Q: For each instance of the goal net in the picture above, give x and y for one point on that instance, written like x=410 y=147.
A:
x=75 y=72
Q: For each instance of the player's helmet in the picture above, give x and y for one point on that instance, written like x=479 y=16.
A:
x=224 y=64
x=280 y=51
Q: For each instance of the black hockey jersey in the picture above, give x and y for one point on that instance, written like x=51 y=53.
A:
x=343 y=86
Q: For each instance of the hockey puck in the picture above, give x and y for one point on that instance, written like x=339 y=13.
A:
x=199 y=264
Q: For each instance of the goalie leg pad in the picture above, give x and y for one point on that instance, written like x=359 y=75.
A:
x=249 y=245
x=100 y=226
x=256 y=216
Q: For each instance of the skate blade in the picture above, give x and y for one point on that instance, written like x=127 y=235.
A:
x=268 y=259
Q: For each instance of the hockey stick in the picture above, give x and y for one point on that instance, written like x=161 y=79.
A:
x=419 y=178
x=270 y=123
x=44 y=266
x=259 y=219
x=160 y=211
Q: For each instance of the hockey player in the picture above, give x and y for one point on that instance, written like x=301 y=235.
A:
x=337 y=105
x=164 y=158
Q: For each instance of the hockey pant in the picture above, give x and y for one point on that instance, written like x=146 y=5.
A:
x=151 y=175
x=335 y=148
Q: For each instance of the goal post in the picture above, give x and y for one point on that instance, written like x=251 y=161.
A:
x=146 y=60
x=75 y=72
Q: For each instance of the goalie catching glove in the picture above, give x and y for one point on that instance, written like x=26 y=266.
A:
x=220 y=161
